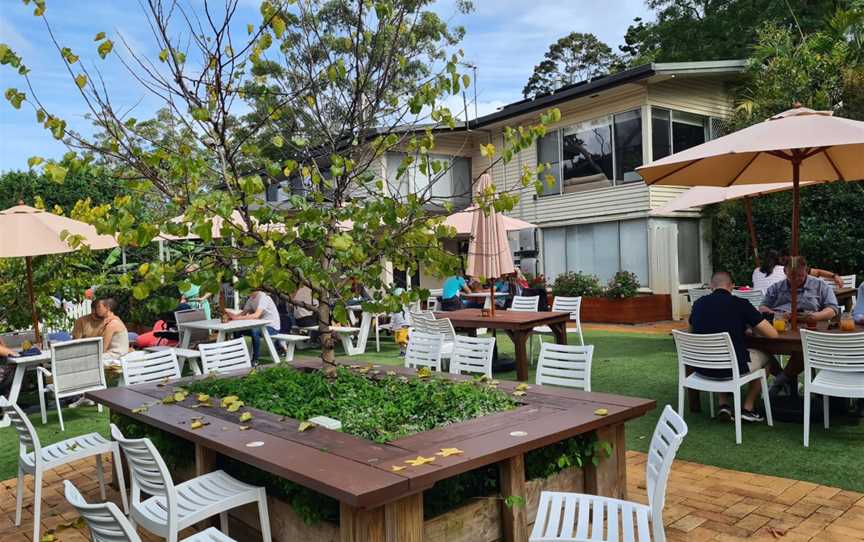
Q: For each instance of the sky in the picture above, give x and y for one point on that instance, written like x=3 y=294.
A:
x=504 y=39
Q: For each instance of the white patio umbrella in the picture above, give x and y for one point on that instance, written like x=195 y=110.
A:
x=798 y=145
x=26 y=232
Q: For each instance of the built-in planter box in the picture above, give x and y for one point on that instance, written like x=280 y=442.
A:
x=641 y=309
x=477 y=521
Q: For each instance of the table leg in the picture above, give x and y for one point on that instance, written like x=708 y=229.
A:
x=513 y=513
x=520 y=343
x=560 y=332
x=289 y=351
x=17 y=380
x=398 y=521
x=608 y=478
x=185 y=338
x=274 y=355
x=356 y=525
x=205 y=461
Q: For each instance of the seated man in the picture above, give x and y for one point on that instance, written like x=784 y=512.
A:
x=721 y=312
x=7 y=370
x=259 y=306
x=858 y=310
x=303 y=315
x=816 y=303
x=102 y=322
x=451 y=289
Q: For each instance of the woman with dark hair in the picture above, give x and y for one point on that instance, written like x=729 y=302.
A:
x=771 y=272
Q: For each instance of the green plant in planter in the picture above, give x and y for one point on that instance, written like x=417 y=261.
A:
x=577 y=284
x=623 y=285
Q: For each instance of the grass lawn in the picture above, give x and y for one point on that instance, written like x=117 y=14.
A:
x=629 y=364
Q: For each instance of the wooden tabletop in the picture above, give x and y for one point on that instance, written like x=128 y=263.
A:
x=503 y=319
x=787 y=342
x=358 y=472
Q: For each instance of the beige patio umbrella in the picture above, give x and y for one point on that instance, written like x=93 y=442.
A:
x=463 y=221
x=26 y=232
x=488 y=250
x=798 y=145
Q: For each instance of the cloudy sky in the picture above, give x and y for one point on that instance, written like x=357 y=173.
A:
x=505 y=39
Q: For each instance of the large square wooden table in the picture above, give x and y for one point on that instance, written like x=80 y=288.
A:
x=518 y=325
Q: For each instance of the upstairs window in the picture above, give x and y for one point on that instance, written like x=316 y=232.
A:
x=675 y=131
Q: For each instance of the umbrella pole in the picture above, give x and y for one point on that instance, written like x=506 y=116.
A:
x=748 y=207
x=36 y=336
x=796 y=209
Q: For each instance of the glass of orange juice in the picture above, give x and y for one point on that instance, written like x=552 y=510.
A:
x=847 y=323
x=779 y=322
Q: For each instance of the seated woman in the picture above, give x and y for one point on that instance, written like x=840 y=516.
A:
x=102 y=322
x=772 y=271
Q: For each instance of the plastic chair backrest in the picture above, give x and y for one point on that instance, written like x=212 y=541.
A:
x=196 y=336
x=149 y=473
x=695 y=293
x=424 y=350
x=150 y=367
x=565 y=365
x=443 y=327
x=28 y=440
x=225 y=356
x=755 y=297
x=472 y=355
x=523 y=303
x=106 y=522
x=668 y=436
x=76 y=366
x=573 y=305
x=421 y=317
x=848 y=280
x=842 y=352
x=708 y=351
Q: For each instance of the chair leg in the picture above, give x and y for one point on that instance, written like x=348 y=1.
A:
x=37 y=504
x=223 y=522
x=121 y=479
x=264 y=516
x=581 y=338
x=681 y=400
x=59 y=412
x=100 y=476
x=826 y=409
x=19 y=497
x=99 y=408
x=711 y=404
x=41 y=385
x=736 y=398
x=806 y=418
x=766 y=398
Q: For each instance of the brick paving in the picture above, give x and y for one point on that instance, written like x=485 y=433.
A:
x=702 y=504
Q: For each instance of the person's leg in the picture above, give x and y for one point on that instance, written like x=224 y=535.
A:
x=787 y=381
x=754 y=391
x=795 y=366
x=256 y=342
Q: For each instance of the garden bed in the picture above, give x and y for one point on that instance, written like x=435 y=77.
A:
x=641 y=309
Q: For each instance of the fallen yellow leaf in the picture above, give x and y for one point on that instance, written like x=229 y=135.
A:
x=305 y=425
x=522 y=386
x=139 y=410
x=518 y=393
x=447 y=452
x=203 y=398
x=244 y=428
x=420 y=461
x=179 y=396
x=424 y=372
x=245 y=417
x=167 y=400
x=235 y=406
x=197 y=424
x=397 y=468
x=228 y=400
x=601 y=412
x=391 y=373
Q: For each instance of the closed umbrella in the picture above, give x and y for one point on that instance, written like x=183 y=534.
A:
x=799 y=145
x=463 y=221
x=26 y=232
x=488 y=251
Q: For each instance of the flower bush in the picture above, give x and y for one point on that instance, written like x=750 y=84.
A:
x=577 y=284
x=623 y=285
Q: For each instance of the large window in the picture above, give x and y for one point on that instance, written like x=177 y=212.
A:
x=675 y=131
x=454 y=184
x=600 y=249
x=599 y=152
x=689 y=252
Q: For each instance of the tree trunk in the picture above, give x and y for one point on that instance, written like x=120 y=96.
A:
x=328 y=343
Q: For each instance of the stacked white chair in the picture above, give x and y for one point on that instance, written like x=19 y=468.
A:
x=424 y=350
x=523 y=303
x=755 y=297
x=225 y=356
x=76 y=368
x=472 y=355
x=443 y=327
x=143 y=367
x=571 y=517
x=715 y=351
x=573 y=305
x=169 y=509
x=108 y=524
x=35 y=459
x=565 y=365
x=839 y=360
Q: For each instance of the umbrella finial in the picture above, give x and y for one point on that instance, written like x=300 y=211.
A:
x=20 y=202
x=797 y=105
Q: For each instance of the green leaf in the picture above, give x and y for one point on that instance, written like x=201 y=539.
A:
x=163 y=55
x=104 y=48
x=81 y=80
x=278 y=26
x=250 y=28
x=200 y=113
x=141 y=292
x=15 y=98
x=99 y=37
x=68 y=55
x=56 y=172
x=277 y=141
x=34 y=161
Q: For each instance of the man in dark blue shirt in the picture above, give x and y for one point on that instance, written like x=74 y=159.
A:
x=721 y=312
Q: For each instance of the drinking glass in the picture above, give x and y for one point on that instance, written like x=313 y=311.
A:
x=847 y=323
x=779 y=322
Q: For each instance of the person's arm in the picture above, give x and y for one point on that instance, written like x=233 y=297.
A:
x=770 y=299
x=828 y=302
x=822 y=273
x=765 y=329
x=858 y=310
x=7 y=352
x=108 y=332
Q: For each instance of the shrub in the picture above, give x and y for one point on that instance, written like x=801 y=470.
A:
x=538 y=281
x=623 y=285
x=577 y=284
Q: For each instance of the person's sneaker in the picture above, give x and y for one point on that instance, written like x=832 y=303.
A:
x=402 y=352
x=82 y=401
x=751 y=416
x=725 y=413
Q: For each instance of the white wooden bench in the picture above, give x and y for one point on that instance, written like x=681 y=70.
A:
x=289 y=342
x=346 y=335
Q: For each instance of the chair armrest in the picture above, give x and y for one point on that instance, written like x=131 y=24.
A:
x=41 y=369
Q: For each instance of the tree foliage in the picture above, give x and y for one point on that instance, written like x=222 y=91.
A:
x=316 y=90
x=575 y=57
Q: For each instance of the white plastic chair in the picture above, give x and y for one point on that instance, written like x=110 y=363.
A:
x=715 y=351
x=76 y=368
x=571 y=517
x=472 y=355
x=424 y=350
x=839 y=360
x=108 y=524
x=565 y=365
x=573 y=305
x=523 y=303
x=35 y=459
x=225 y=356
x=170 y=508
x=142 y=367
x=695 y=293
x=755 y=297
x=443 y=327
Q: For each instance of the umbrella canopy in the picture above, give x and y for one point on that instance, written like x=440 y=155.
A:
x=463 y=221
x=798 y=145
x=699 y=196
x=26 y=232
x=488 y=251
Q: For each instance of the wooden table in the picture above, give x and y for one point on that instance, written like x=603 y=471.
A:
x=844 y=297
x=517 y=324
x=22 y=364
x=378 y=504
x=222 y=330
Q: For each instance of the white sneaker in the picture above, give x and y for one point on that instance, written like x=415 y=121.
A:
x=82 y=401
